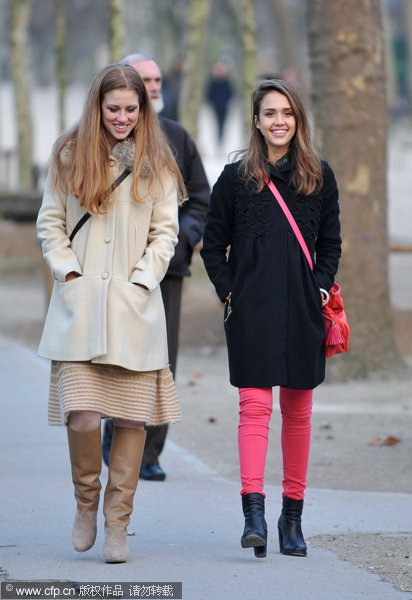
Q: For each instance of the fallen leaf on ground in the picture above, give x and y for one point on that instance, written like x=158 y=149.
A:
x=390 y=441
x=374 y=441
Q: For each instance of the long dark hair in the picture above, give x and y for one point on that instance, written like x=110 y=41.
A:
x=307 y=170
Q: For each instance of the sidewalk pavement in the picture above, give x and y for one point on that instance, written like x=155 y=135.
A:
x=187 y=529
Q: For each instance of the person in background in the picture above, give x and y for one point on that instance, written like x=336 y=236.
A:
x=105 y=330
x=171 y=88
x=192 y=219
x=273 y=300
x=219 y=93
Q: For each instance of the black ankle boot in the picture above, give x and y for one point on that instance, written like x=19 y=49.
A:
x=291 y=539
x=255 y=532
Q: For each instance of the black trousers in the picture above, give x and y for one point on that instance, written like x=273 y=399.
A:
x=171 y=288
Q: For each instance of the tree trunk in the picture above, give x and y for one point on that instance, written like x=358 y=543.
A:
x=246 y=27
x=116 y=30
x=19 y=18
x=408 y=26
x=194 y=76
x=249 y=60
x=349 y=104
x=389 y=57
x=287 y=29
x=61 y=77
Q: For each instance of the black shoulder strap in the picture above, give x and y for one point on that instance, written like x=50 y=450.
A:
x=87 y=216
x=79 y=225
x=118 y=181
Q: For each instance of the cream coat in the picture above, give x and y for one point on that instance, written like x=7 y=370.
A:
x=102 y=316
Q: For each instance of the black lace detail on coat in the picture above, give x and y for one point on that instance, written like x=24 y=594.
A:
x=252 y=210
x=307 y=212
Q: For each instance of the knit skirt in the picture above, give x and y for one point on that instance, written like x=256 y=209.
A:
x=112 y=391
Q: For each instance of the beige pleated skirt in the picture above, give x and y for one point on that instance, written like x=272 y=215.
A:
x=149 y=397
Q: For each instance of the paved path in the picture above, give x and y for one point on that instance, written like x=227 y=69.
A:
x=189 y=532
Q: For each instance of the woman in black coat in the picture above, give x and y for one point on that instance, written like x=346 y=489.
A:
x=273 y=300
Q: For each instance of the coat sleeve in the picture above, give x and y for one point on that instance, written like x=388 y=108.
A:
x=192 y=215
x=162 y=238
x=193 y=212
x=218 y=234
x=328 y=242
x=51 y=232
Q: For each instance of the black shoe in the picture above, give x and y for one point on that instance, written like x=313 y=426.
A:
x=152 y=472
x=255 y=533
x=291 y=539
x=107 y=441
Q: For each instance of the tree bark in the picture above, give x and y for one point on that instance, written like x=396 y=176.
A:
x=349 y=104
x=19 y=18
x=116 y=30
x=389 y=57
x=408 y=25
x=194 y=75
x=287 y=33
x=61 y=76
x=246 y=27
x=249 y=59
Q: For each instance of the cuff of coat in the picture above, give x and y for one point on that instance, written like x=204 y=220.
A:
x=148 y=280
x=191 y=230
x=323 y=279
x=62 y=270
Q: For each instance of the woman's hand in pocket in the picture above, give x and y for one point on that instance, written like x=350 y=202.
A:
x=142 y=286
x=71 y=275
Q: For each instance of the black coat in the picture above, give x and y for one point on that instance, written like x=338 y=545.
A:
x=275 y=331
x=192 y=215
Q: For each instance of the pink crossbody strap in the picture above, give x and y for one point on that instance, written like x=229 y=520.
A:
x=291 y=220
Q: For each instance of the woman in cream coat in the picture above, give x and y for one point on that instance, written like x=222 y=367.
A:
x=105 y=329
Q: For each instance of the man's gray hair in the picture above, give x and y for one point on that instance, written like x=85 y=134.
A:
x=132 y=58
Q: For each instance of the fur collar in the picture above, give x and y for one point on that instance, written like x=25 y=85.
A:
x=124 y=152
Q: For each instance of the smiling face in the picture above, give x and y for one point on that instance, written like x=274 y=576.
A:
x=277 y=123
x=120 y=112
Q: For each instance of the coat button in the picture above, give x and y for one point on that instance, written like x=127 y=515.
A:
x=107 y=239
x=105 y=275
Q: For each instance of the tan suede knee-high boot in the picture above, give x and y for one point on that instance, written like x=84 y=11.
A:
x=124 y=467
x=86 y=462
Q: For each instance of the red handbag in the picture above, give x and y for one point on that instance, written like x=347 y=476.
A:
x=336 y=323
x=337 y=329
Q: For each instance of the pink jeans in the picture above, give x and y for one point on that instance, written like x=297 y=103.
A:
x=255 y=410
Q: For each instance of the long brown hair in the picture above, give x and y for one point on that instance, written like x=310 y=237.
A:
x=80 y=159
x=307 y=170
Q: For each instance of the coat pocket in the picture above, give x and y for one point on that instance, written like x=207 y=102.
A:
x=75 y=324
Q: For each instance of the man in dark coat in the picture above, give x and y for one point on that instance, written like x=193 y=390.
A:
x=192 y=220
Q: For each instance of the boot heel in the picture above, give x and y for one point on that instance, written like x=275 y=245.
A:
x=260 y=551
x=280 y=540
